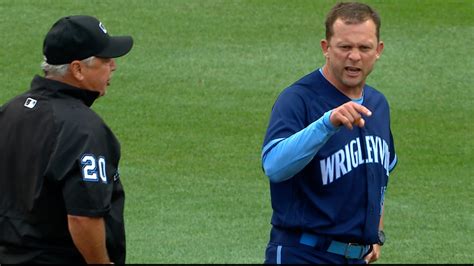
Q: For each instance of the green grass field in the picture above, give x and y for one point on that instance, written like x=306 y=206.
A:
x=191 y=102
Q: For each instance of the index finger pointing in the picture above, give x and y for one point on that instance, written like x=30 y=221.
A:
x=362 y=109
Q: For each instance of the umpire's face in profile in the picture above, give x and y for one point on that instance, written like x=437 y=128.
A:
x=351 y=53
x=95 y=75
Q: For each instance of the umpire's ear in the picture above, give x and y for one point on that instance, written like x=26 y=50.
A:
x=75 y=67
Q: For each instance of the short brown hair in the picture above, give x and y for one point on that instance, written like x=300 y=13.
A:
x=351 y=13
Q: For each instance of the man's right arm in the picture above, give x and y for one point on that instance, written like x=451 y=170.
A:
x=88 y=234
x=283 y=160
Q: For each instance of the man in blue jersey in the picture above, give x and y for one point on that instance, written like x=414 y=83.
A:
x=328 y=151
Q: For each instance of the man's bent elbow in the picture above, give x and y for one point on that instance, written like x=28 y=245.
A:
x=274 y=175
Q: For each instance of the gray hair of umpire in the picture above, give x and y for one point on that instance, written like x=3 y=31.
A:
x=61 y=70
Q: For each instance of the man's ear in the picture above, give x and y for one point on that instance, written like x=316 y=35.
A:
x=76 y=70
x=380 y=47
x=325 y=47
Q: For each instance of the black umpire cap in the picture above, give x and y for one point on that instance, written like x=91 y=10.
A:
x=79 y=37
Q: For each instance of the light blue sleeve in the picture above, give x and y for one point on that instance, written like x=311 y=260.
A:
x=283 y=158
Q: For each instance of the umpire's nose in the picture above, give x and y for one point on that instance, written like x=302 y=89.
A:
x=113 y=66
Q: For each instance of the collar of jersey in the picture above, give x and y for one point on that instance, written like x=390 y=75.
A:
x=52 y=86
x=357 y=100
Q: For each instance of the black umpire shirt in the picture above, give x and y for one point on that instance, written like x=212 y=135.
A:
x=57 y=157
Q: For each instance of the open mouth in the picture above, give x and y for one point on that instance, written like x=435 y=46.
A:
x=352 y=70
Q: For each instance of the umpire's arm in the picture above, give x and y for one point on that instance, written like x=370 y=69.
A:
x=88 y=234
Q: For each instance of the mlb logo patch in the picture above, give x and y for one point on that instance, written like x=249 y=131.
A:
x=30 y=103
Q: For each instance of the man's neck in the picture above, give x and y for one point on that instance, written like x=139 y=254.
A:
x=351 y=92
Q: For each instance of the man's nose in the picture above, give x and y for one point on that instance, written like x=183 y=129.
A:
x=354 y=55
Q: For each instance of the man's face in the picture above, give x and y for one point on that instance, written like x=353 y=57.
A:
x=351 y=53
x=98 y=74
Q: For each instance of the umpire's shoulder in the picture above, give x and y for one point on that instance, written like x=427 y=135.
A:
x=74 y=114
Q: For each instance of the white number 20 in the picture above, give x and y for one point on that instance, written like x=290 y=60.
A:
x=93 y=169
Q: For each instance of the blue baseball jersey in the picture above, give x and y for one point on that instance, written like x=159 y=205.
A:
x=340 y=192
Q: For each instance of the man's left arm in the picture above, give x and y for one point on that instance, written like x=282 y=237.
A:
x=376 y=248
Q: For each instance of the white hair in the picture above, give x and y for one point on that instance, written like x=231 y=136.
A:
x=60 y=70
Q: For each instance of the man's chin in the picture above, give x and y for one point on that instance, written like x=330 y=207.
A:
x=354 y=83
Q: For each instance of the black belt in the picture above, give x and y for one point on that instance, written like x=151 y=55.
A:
x=348 y=250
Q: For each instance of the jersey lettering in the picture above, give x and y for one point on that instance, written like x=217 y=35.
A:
x=370 y=150
x=102 y=173
x=93 y=169
x=350 y=157
x=340 y=168
x=327 y=170
x=89 y=168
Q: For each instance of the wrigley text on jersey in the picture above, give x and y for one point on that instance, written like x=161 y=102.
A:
x=350 y=157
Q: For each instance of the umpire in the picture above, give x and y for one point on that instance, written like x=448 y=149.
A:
x=61 y=199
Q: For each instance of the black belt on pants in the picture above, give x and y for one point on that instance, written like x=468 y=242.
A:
x=348 y=250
